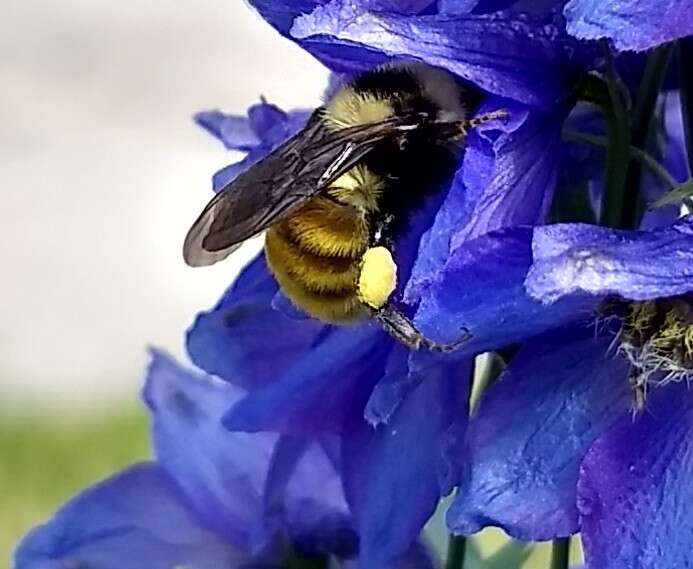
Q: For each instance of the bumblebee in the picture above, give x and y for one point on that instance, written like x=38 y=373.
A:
x=336 y=196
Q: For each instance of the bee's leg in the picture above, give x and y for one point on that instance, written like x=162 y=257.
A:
x=401 y=328
x=377 y=281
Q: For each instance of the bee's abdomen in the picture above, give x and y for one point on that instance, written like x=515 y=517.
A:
x=315 y=255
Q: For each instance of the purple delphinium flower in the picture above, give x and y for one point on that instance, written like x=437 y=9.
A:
x=211 y=498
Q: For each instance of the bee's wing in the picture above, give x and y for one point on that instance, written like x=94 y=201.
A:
x=281 y=182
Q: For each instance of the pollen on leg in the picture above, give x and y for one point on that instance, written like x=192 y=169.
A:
x=378 y=277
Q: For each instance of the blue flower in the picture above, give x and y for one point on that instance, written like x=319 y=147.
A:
x=211 y=498
x=482 y=261
x=542 y=456
x=554 y=447
x=306 y=378
x=316 y=379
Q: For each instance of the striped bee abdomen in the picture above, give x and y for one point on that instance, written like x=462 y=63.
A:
x=315 y=255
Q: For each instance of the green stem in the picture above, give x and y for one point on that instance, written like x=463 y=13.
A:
x=457 y=547
x=617 y=151
x=648 y=90
x=643 y=111
x=686 y=90
x=593 y=89
x=635 y=154
x=560 y=553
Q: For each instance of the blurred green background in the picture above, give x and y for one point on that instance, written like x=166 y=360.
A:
x=49 y=456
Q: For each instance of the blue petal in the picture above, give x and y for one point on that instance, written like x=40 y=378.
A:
x=635 y=491
x=234 y=131
x=631 y=24
x=281 y=14
x=639 y=265
x=231 y=340
x=266 y=125
x=264 y=118
x=481 y=288
x=472 y=187
x=221 y=473
x=518 y=188
x=393 y=387
x=538 y=7
x=457 y=7
x=392 y=474
x=321 y=387
x=317 y=513
x=526 y=441
x=136 y=519
x=265 y=128
x=519 y=57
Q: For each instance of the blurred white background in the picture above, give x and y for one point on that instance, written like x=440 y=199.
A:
x=102 y=172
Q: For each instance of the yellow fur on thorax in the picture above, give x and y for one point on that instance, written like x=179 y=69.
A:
x=358 y=187
x=350 y=108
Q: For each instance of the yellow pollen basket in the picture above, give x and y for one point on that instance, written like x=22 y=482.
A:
x=378 y=277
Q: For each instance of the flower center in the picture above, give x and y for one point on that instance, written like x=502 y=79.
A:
x=656 y=337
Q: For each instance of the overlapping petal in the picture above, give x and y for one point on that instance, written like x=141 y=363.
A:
x=392 y=472
x=527 y=439
x=631 y=24
x=486 y=147
x=481 y=288
x=303 y=497
x=221 y=473
x=136 y=519
x=243 y=339
x=527 y=59
x=634 y=491
x=233 y=130
x=517 y=187
x=321 y=388
x=639 y=265
x=265 y=128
